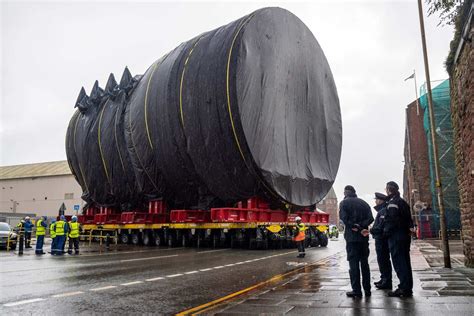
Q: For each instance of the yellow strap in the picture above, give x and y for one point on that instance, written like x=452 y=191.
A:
x=270 y=190
x=146 y=103
x=182 y=79
x=75 y=151
x=100 y=143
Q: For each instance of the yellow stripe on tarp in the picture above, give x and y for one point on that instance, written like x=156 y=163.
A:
x=100 y=142
x=146 y=104
x=75 y=151
x=270 y=190
x=182 y=79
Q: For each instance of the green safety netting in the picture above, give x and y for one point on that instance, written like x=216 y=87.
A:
x=444 y=139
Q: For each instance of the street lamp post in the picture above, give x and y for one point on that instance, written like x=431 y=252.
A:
x=439 y=187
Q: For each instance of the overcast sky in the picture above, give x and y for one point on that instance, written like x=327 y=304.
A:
x=50 y=49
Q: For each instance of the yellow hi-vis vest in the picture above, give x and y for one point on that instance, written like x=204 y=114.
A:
x=52 y=233
x=40 y=230
x=301 y=234
x=73 y=229
x=60 y=228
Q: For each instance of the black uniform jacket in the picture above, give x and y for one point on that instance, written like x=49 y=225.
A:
x=398 y=219
x=377 y=228
x=355 y=212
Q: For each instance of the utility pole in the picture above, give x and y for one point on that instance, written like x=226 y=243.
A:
x=439 y=187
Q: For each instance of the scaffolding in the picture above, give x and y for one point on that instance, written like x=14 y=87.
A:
x=444 y=138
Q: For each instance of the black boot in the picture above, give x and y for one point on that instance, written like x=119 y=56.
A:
x=400 y=293
x=353 y=294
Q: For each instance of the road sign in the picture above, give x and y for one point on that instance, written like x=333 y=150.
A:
x=77 y=207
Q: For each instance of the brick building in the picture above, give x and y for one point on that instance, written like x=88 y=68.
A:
x=416 y=173
x=329 y=205
x=462 y=108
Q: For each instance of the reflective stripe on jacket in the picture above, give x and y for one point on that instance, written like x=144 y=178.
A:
x=40 y=230
x=301 y=234
x=52 y=231
x=60 y=228
x=73 y=229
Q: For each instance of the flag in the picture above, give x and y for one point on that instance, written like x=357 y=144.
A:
x=411 y=77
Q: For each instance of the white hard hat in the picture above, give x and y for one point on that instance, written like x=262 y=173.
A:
x=74 y=217
x=297 y=218
x=27 y=217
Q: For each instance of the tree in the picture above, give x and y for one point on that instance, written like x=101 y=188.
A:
x=448 y=10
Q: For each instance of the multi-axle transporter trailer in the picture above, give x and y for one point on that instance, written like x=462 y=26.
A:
x=249 y=225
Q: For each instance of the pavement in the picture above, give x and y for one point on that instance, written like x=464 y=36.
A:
x=318 y=288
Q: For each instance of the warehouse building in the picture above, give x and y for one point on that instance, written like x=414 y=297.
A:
x=39 y=189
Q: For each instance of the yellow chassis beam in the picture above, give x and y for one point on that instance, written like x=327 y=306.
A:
x=320 y=226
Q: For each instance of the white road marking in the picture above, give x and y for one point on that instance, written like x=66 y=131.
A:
x=230 y=265
x=67 y=294
x=191 y=272
x=148 y=258
x=247 y=261
x=240 y=262
x=155 y=279
x=204 y=270
x=218 y=267
x=174 y=275
x=103 y=288
x=208 y=251
x=33 y=300
x=131 y=283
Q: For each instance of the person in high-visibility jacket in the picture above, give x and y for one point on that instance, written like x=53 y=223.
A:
x=41 y=226
x=52 y=234
x=300 y=236
x=61 y=230
x=74 y=229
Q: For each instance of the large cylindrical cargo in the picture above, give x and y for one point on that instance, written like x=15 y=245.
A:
x=247 y=109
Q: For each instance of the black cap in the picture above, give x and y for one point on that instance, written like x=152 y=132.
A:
x=350 y=188
x=393 y=184
x=380 y=196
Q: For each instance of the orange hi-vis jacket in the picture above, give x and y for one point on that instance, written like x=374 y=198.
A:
x=301 y=234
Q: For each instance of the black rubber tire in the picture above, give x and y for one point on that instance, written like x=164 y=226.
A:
x=146 y=239
x=124 y=238
x=156 y=240
x=135 y=239
x=324 y=240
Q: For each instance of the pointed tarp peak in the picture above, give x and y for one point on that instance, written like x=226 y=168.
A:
x=82 y=101
x=111 y=84
x=126 y=79
x=81 y=95
x=96 y=92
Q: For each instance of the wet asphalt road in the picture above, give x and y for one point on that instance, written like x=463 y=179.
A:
x=141 y=280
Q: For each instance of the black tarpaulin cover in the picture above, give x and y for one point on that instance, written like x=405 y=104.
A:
x=247 y=109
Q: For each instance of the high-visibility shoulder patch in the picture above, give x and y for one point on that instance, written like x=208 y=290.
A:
x=393 y=205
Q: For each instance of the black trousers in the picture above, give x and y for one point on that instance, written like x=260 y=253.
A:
x=75 y=242
x=383 y=260
x=358 y=257
x=400 y=252
x=300 y=245
x=27 y=239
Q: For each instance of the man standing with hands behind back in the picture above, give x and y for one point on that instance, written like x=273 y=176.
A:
x=356 y=216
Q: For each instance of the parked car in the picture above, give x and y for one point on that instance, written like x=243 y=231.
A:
x=7 y=235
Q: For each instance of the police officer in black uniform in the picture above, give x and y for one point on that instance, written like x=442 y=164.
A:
x=381 y=243
x=356 y=216
x=398 y=227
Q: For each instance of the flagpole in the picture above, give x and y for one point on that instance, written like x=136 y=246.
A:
x=439 y=188
x=416 y=94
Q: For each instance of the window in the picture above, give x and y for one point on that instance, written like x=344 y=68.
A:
x=68 y=196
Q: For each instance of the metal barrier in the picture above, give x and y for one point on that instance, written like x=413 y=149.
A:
x=107 y=236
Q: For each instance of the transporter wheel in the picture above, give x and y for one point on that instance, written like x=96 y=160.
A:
x=146 y=239
x=156 y=240
x=171 y=240
x=324 y=240
x=135 y=239
x=124 y=238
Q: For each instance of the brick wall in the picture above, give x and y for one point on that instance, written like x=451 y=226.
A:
x=462 y=104
x=416 y=172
